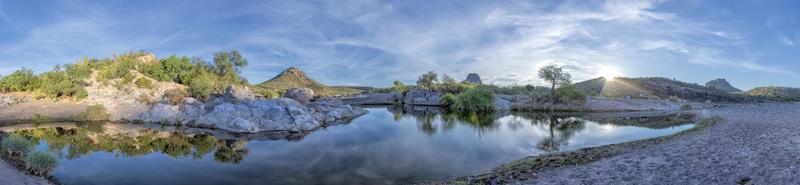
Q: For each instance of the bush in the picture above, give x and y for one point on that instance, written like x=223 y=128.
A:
x=21 y=80
x=176 y=96
x=686 y=107
x=571 y=94
x=16 y=144
x=201 y=86
x=144 y=83
x=269 y=94
x=41 y=163
x=57 y=83
x=92 y=113
x=448 y=99
x=474 y=100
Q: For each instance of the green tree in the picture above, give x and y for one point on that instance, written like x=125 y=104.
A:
x=227 y=65
x=555 y=76
x=428 y=80
x=20 y=80
x=399 y=86
x=449 y=84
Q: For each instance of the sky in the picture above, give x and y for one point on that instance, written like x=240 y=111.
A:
x=372 y=43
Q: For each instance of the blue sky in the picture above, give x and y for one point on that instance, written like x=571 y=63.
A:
x=751 y=43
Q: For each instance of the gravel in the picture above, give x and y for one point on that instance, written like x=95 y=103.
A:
x=755 y=144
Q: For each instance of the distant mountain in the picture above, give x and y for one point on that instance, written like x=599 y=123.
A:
x=776 y=93
x=655 y=86
x=722 y=84
x=295 y=78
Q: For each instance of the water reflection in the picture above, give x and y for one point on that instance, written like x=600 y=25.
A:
x=390 y=145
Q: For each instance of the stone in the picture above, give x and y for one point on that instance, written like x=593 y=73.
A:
x=473 y=78
x=423 y=97
x=239 y=93
x=374 y=99
x=331 y=110
x=302 y=95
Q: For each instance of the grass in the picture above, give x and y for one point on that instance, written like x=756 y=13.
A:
x=474 y=100
x=524 y=169
x=16 y=145
x=40 y=163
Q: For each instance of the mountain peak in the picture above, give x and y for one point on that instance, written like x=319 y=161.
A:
x=722 y=84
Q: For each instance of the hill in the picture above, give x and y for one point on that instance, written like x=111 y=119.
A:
x=655 y=87
x=775 y=93
x=295 y=78
x=722 y=84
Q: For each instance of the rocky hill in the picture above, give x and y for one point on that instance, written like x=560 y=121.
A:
x=473 y=78
x=775 y=93
x=722 y=84
x=295 y=78
x=655 y=87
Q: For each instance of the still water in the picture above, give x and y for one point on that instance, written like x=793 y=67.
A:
x=387 y=146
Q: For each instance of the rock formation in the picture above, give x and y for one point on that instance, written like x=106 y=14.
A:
x=473 y=78
x=375 y=99
x=423 y=97
x=302 y=95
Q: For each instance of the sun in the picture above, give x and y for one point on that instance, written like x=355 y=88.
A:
x=608 y=72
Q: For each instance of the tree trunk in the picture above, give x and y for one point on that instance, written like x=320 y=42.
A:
x=553 y=92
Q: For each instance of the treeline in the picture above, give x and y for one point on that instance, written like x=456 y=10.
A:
x=203 y=78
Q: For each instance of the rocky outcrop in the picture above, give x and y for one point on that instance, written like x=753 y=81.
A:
x=239 y=93
x=722 y=84
x=423 y=97
x=302 y=95
x=374 y=99
x=11 y=99
x=473 y=78
x=251 y=116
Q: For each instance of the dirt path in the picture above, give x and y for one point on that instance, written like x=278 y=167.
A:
x=11 y=176
x=756 y=144
x=45 y=108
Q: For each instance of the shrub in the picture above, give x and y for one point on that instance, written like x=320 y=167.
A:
x=571 y=94
x=474 y=100
x=448 y=99
x=399 y=87
x=201 y=86
x=21 y=80
x=175 y=96
x=57 y=83
x=686 y=107
x=41 y=163
x=92 y=113
x=269 y=94
x=428 y=80
x=144 y=83
x=16 y=144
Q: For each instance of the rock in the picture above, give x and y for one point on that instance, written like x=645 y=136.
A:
x=374 y=99
x=501 y=103
x=422 y=97
x=302 y=95
x=331 y=110
x=239 y=93
x=161 y=113
x=473 y=78
x=8 y=100
x=259 y=115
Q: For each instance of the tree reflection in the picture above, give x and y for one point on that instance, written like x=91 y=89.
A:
x=88 y=138
x=561 y=129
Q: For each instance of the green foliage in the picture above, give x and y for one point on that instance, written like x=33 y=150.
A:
x=428 y=80
x=227 y=66
x=120 y=68
x=514 y=89
x=399 y=86
x=20 y=80
x=555 y=76
x=269 y=93
x=16 y=144
x=92 y=113
x=686 y=107
x=144 y=83
x=571 y=94
x=41 y=163
x=58 y=83
x=474 y=100
x=202 y=85
x=448 y=99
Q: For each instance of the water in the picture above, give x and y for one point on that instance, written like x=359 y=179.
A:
x=386 y=146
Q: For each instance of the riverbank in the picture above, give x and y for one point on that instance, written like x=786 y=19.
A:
x=754 y=144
